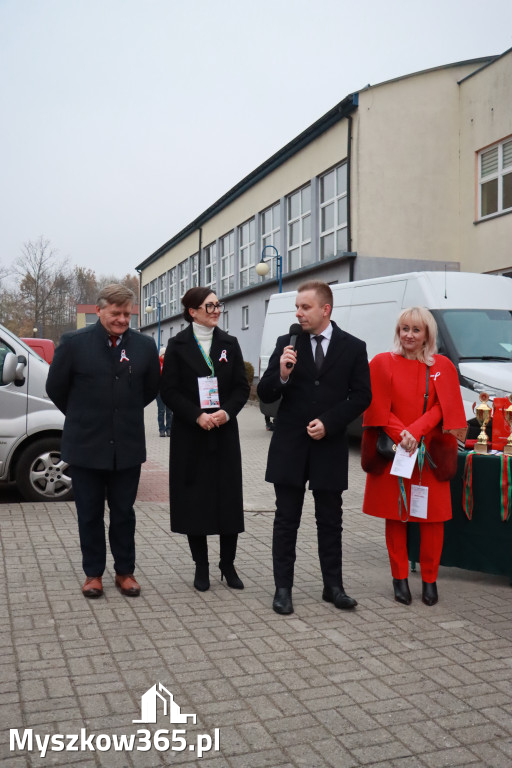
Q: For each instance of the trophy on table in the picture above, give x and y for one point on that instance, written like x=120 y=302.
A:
x=483 y=415
x=507 y=449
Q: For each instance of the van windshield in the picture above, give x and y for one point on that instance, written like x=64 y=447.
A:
x=479 y=334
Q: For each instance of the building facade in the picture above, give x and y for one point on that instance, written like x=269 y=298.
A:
x=414 y=173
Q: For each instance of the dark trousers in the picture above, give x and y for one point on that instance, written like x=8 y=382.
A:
x=328 y=514
x=164 y=415
x=90 y=486
x=199 y=548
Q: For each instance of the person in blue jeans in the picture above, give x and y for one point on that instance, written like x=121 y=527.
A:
x=164 y=413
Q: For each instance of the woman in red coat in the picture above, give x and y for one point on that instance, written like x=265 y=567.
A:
x=399 y=385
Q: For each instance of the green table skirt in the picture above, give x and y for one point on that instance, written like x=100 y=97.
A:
x=483 y=543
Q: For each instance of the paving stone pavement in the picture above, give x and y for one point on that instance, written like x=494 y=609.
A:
x=386 y=685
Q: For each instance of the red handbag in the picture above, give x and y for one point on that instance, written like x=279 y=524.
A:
x=500 y=428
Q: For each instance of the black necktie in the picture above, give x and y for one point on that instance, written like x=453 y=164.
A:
x=319 y=352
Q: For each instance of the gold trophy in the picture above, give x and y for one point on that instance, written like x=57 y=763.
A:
x=483 y=415
x=507 y=449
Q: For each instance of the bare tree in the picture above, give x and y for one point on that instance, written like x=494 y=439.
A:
x=45 y=288
x=85 y=285
x=43 y=300
x=130 y=281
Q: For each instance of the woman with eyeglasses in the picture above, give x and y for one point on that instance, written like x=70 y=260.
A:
x=205 y=385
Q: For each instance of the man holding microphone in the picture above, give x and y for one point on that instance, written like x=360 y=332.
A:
x=324 y=382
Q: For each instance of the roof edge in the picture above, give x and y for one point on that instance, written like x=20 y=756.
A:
x=485 y=60
x=487 y=64
x=333 y=116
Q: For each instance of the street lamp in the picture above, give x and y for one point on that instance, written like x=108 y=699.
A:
x=151 y=308
x=262 y=268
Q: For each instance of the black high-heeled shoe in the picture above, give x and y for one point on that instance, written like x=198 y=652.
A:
x=232 y=578
x=402 y=591
x=429 y=593
x=202 y=577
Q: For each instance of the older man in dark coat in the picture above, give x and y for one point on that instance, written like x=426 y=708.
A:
x=101 y=378
x=324 y=384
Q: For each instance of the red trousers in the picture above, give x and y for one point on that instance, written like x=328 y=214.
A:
x=431 y=545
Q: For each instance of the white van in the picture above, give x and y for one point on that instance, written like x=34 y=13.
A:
x=30 y=425
x=473 y=314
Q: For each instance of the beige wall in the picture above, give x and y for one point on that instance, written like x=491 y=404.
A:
x=485 y=118
x=411 y=197
x=405 y=170
x=183 y=250
x=317 y=157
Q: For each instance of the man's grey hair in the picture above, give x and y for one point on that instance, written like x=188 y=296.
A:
x=115 y=293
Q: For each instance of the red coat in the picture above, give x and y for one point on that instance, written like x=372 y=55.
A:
x=398 y=389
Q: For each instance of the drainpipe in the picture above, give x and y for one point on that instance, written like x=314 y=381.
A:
x=139 y=272
x=199 y=255
x=349 y=196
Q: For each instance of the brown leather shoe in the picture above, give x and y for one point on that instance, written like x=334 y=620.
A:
x=92 y=587
x=127 y=585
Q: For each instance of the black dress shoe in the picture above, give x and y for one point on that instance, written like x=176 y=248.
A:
x=202 y=577
x=283 y=601
x=232 y=578
x=402 y=591
x=337 y=596
x=429 y=593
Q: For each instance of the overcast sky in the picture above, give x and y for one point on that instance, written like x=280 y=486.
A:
x=122 y=120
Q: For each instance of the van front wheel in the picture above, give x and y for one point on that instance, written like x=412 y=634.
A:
x=41 y=475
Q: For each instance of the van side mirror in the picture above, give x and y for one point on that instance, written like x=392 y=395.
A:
x=20 y=371
x=13 y=369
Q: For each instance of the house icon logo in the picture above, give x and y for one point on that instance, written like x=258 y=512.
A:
x=150 y=701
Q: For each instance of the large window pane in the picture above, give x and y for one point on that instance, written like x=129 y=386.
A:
x=294 y=206
x=327 y=220
x=306 y=227
x=507 y=191
x=507 y=154
x=327 y=246
x=341 y=178
x=294 y=233
x=342 y=210
x=307 y=255
x=489 y=162
x=341 y=245
x=306 y=199
x=294 y=258
x=327 y=187
x=490 y=197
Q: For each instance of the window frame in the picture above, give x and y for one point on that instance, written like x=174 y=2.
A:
x=302 y=241
x=227 y=260
x=210 y=267
x=172 y=285
x=337 y=226
x=497 y=175
x=183 y=276
x=270 y=237
x=247 y=253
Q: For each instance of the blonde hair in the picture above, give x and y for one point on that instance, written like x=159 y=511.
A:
x=420 y=316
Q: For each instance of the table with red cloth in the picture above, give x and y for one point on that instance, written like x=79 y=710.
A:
x=484 y=542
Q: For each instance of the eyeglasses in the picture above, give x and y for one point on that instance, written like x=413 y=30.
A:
x=211 y=307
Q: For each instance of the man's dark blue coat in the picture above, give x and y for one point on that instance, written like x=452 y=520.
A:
x=103 y=391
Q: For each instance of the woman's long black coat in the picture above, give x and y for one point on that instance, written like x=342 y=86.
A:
x=205 y=469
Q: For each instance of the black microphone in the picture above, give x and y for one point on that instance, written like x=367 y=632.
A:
x=295 y=331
